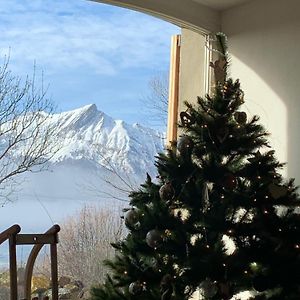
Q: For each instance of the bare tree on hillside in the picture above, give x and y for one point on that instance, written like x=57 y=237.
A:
x=119 y=184
x=85 y=241
x=156 y=101
x=27 y=137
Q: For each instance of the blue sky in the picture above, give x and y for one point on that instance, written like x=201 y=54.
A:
x=89 y=52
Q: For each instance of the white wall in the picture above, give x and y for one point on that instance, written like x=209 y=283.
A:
x=264 y=40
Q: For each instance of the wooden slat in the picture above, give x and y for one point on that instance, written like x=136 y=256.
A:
x=54 y=271
x=35 y=239
x=13 y=268
x=173 y=90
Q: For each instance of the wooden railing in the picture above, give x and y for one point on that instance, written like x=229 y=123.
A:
x=14 y=237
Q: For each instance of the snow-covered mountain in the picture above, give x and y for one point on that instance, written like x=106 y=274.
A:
x=99 y=160
x=89 y=134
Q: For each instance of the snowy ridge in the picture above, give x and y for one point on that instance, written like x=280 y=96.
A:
x=89 y=134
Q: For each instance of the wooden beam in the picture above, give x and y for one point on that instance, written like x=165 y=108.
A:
x=173 y=90
x=34 y=239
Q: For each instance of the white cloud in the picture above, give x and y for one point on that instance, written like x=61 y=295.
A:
x=81 y=34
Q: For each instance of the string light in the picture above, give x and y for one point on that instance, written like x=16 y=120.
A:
x=297 y=246
x=255 y=200
x=125 y=272
x=207 y=246
x=265 y=211
x=224 y=265
x=246 y=272
x=258 y=177
x=279 y=229
x=266 y=196
x=222 y=196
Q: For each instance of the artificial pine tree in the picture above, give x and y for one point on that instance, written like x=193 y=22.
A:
x=220 y=219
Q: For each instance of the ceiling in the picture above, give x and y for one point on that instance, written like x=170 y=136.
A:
x=221 y=4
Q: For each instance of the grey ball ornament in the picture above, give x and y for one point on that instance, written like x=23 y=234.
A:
x=185 y=145
x=132 y=217
x=209 y=288
x=135 y=288
x=154 y=238
x=166 y=192
x=240 y=117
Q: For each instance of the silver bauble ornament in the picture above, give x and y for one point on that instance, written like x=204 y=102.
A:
x=240 y=117
x=166 y=192
x=154 y=238
x=135 y=288
x=132 y=217
x=208 y=288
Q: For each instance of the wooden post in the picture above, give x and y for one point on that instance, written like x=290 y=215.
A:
x=13 y=266
x=54 y=272
x=173 y=90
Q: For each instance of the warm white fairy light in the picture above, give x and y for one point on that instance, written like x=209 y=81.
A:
x=125 y=272
x=265 y=211
x=297 y=246
x=258 y=177
x=266 y=196
x=207 y=246
x=222 y=196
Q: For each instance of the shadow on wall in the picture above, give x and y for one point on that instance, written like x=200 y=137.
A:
x=264 y=41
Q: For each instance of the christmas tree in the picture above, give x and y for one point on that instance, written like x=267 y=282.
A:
x=220 y=219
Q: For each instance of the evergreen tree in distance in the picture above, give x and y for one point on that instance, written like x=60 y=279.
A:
x=221 y=219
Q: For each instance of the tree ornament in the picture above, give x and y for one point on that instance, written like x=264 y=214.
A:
x=261 y=283
x=186 y=119
x=224 y=290
x=166 y=192
x=185 y=145
x=277 y=191
x=132 y=217
x=209 y=288
x=166 y=287
x=240 y=117
x=154 y=238
x=205 y=196
x=229 y=182
x=219 y=69
x=135 y=288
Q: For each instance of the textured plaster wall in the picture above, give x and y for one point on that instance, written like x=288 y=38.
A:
x=264 y=40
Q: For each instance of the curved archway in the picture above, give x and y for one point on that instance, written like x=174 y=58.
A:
x=184 y=13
